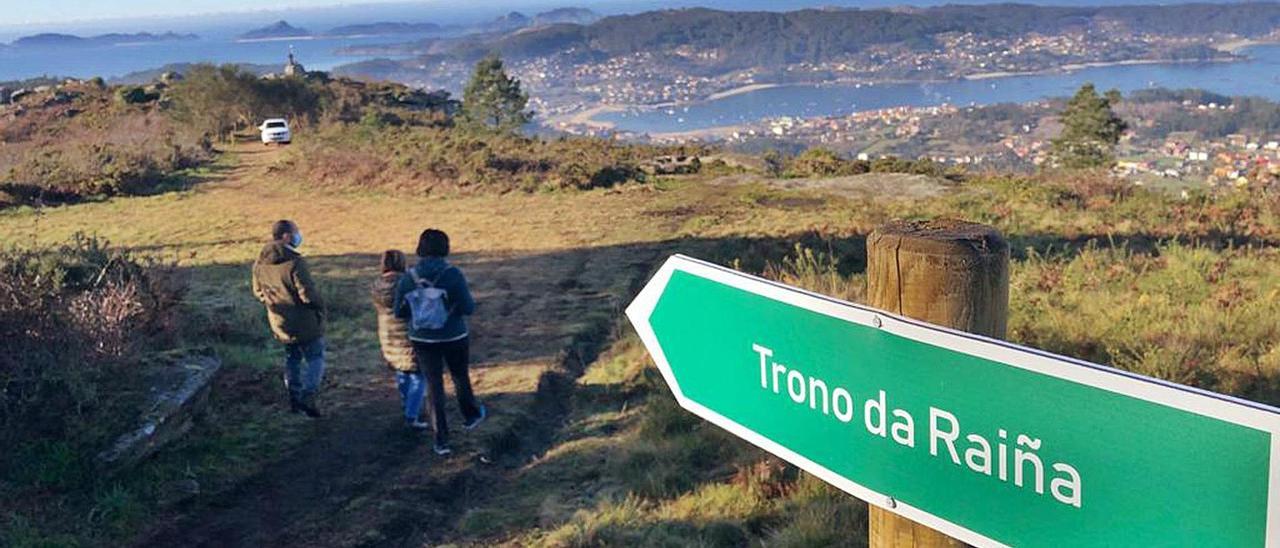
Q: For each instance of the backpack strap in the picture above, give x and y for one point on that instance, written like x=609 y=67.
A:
x=441 y=275
x=418 y=281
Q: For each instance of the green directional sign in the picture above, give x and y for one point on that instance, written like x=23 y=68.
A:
x=989 y=442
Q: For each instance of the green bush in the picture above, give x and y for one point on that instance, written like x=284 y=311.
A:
x=823 y=162
x=134 y=95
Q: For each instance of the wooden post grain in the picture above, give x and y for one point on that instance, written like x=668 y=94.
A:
x=950 y=273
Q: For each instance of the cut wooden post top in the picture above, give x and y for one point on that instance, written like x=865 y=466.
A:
x=943 y=237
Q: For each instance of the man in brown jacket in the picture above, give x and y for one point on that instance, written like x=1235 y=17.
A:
x=282 y=282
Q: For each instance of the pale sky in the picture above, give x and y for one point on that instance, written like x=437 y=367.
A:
x=18 y=12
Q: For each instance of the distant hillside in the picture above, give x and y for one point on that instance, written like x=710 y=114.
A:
x=507 y=23
x=777 y=38
x=279 y=29
x=713 y=42
x=47 y=40
x=515 y=20
x=12 y=85
x=736 y=40
x=151 y=75
x=385 y=29
x=580 y=16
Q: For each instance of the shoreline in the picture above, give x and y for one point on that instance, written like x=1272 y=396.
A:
x=275 y=39
x=1074 y=67
x=718 y=132
x=587 y=117
x=1234 y=46
x=738 y=91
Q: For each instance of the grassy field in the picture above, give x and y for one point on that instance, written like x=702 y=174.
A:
x=586 y=447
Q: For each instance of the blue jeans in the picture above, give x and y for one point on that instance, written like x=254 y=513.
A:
x=298 y=381
x=413 y=387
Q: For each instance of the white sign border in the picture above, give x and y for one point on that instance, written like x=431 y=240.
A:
x=1200 y=402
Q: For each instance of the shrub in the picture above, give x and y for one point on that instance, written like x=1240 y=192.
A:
x=823 y=162
x=70 y=317
x=426 y=159
x=134 y=95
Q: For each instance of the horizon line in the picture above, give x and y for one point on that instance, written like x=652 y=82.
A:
x=849 y=4
x=228 y=12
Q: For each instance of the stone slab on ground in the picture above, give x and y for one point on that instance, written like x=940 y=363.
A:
x=179 y=389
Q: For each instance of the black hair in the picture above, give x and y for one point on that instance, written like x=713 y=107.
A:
x=433 y=243
x=282 y=227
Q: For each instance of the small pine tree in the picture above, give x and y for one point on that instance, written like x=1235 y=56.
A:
x=1090 y=130
x=494 y=99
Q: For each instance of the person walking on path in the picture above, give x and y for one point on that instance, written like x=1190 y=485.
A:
x=436 y=300
x=282 y=282
x=393 y=334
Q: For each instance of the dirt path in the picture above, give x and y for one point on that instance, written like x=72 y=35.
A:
x=359 y=478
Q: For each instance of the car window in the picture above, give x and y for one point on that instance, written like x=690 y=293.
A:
x=275 y=124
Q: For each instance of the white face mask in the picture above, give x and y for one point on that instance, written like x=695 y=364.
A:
x=297 y=239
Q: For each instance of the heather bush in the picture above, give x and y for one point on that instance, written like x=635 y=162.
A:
x=1069 y=209
x=425 y=159
x=823 y=162
x=72 y=317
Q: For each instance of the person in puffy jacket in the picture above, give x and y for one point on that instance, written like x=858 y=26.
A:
x=447 y=346
x=393 y=334
x=282 y=282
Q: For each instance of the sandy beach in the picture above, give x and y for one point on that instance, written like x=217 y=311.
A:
x=587 y=117
x=1234 y=46
x=739 y=91
x=718 y=132
x=1078 y=66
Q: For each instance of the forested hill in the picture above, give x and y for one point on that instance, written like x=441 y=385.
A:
x=817 y=35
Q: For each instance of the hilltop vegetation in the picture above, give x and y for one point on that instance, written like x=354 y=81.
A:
x=424 y=159
x=81 y=140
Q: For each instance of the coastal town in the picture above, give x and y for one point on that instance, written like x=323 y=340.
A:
x=563 y=84
x=1018 y=137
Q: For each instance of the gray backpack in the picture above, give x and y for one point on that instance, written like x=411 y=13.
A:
x=427 y=302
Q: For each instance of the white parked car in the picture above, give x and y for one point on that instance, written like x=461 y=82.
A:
x=276 y=130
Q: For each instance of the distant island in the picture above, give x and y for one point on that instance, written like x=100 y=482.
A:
x=516 y=21
x=276 y=31
x=48 y=40
x=385 y=29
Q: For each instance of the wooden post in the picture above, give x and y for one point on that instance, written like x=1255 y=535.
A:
x=950 y=273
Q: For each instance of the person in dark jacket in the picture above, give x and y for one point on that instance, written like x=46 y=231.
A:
x=282 y=282
x=450 y=345
x=393 y=334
